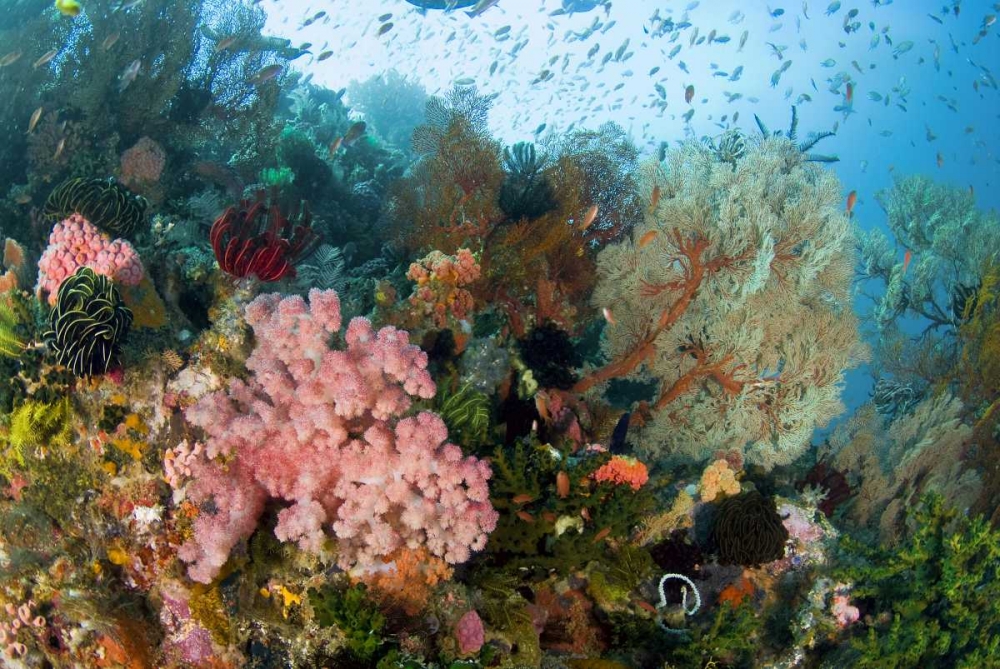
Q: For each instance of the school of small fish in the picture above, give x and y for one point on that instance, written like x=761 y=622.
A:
x=680 y=51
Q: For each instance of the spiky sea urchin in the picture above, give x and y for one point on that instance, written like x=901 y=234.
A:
x=88 y=323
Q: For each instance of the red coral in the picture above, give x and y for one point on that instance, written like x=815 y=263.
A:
x=256 y=239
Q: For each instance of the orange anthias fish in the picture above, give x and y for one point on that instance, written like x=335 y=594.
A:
x=655 y=199
x=647 y=237
x=589 y=217
x=852 y=199
x=849 y=97
x=608 y=316
x=907 y=257
x=523 y=498
x=602 y=534
x=562 y=484
x=525 y=516
x=940 y=160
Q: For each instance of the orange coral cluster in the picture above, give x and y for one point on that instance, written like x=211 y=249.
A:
x=440 y=292
x=623 y=470
x=534 y=270
x=718 y=479
x=408 y=579
x=736 y=593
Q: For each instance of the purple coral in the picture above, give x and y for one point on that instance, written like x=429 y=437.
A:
x=322 y=429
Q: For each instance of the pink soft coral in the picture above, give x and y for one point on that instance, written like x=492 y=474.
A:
x=143 y=163
x=75 y=243
x=322 y=429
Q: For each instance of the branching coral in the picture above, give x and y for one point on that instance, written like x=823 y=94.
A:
x=948 y=245
x=449 y=199
x=934 y=596
x=324 y=429
x=734 y=297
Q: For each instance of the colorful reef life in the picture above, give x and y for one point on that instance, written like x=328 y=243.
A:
x=492 y=334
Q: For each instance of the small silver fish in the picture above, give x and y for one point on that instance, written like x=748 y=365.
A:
x=129 y=75
x=35 y=117
x=45 y=59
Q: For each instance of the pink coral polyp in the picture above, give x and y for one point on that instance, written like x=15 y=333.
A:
x=323 y=429
x=75 y=243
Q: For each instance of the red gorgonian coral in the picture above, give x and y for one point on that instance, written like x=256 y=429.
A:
x=255 y=238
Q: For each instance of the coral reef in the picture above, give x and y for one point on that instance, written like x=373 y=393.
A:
x=440 y=291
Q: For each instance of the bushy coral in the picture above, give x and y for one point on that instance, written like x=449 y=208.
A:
x=934 y=597
x=718 y=478
x=440 y=293
x=354 y=615
x=75 y=243
x=903 y=459
x=324 y=429
x=622 y=470
x=734 y=296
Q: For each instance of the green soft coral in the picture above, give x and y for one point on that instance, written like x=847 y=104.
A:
x=940 y=589
x=539 y=527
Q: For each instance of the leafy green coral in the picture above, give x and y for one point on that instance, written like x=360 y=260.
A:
x=354 y=615
x=13 y=317
x=939 y=593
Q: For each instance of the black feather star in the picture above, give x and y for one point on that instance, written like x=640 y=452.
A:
x=88 y=323
x=104 y=202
